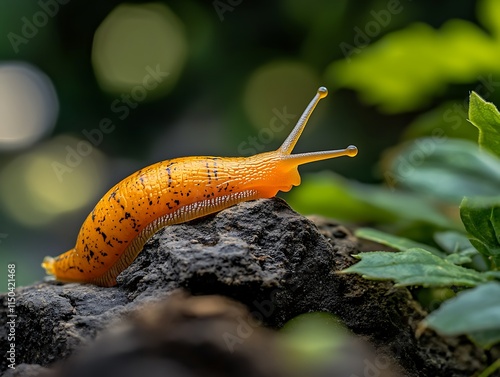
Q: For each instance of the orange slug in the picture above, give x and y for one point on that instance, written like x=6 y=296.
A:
x=172 y=192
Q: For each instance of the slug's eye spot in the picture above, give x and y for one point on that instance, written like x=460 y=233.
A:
x=352 y=150
x=323 y=92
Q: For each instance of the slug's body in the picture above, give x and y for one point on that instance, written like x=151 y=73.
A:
x=173 y=192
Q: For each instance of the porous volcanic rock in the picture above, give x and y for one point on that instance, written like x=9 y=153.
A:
x=262 y=254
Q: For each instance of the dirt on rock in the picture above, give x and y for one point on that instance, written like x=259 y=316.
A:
x=273 y=264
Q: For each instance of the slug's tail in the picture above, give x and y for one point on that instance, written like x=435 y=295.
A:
x=49 y=265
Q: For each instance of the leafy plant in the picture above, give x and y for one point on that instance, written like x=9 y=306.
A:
x=467 y=260
x=418 y=62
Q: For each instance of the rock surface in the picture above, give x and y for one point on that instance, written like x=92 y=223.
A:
x=259 y=253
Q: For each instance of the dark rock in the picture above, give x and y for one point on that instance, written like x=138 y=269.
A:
x=194 y=336
x=28 y=370
x=182 y=336
x=260 y=253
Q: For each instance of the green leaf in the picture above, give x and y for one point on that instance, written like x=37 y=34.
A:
x=416 y=63
x=486 y=118
x=457 y=245
x=481 y=218
x=414 y=267
x=488 y=13
x=430 y=123
x=485 y=339
x=458 y=259
x=454 y=242
x=492 y=274
x=479 y=310
x=396 y=242
x=445 y=168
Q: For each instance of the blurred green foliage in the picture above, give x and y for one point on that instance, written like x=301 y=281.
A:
x=416 y=63
x=311 y=339
x=479 y=312
x=224 y=75
x=477 y=248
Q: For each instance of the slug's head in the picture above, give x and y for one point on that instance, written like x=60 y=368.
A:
x=286 y=174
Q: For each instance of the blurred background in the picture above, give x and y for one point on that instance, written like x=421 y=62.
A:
x=92 y=91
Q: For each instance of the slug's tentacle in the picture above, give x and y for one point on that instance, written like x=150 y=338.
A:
x=303 y=158
x=291 y=140
x=172 y=192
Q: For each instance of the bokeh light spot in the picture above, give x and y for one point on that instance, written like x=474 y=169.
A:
x=313 y=338
x=37 y=188
x=28 y=105
x=139 y=46
x=283 y=87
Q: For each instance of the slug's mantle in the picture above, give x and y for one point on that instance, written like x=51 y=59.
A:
x=260 y=253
